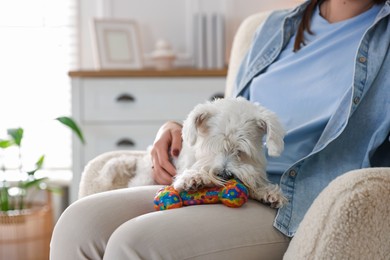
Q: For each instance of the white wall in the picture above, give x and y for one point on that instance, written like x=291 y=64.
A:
x=168 y=19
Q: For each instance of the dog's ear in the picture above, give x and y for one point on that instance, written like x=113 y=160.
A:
x=196 y=123
x=270 y=124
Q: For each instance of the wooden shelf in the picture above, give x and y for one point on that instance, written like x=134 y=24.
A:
x=182 y=72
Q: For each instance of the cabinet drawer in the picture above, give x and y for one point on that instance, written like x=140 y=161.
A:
x=145 y=99
x=100 y=139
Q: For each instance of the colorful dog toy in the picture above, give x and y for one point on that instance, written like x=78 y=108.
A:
x=234 y=194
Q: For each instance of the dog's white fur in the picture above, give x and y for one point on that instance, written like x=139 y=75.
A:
x=221 y=139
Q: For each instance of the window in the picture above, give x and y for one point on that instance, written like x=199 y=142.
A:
x=37 y=49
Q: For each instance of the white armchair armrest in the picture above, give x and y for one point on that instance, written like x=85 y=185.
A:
x=350 y=219
x=90 y=182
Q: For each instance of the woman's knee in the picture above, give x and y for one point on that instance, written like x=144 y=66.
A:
x=133 y=240
x=74 y=233
x=86 y=225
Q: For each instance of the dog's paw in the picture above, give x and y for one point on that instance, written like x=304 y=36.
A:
x=191 y=180
x=275 y=199
x=271 y=195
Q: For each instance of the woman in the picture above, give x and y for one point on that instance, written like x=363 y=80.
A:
x=322 y=68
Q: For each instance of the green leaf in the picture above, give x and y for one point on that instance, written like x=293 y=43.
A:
x=32 y=183
x=30 y=173
x=6 y=143
x=38 y=164
x=16 y=135
x=69 y=122
x=40 y=161
x=4 y=198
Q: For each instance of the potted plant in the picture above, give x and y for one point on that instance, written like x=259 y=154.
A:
x=26 y=223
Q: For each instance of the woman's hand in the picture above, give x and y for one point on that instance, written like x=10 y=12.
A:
x=167 y=145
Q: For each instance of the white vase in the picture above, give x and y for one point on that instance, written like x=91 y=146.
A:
x=163 y=56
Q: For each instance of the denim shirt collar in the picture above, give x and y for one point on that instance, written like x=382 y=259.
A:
x=288 y=24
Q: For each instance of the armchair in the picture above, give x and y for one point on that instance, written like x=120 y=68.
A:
x=350 y=219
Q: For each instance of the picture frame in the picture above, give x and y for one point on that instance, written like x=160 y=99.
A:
x=117 y=44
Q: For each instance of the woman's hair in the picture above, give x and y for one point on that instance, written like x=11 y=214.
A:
x=305 y=23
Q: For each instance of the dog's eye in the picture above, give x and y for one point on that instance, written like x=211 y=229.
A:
x=242 y=156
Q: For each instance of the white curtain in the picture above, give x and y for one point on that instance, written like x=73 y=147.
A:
x=38 y=46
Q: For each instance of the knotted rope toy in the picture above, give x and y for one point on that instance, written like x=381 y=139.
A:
x=233 y=194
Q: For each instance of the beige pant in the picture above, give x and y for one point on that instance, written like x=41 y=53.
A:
x=123 y=224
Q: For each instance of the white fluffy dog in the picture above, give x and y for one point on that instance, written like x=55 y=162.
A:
x=222 y=139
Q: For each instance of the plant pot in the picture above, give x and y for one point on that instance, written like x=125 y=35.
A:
x=26 y=234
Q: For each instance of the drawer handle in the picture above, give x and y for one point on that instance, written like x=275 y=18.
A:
x=125 y=98
x=216 y=95
x=125 y=142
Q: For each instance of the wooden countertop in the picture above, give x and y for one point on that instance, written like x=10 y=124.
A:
x=182 y=72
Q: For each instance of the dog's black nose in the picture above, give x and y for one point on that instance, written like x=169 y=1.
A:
x=225 y=174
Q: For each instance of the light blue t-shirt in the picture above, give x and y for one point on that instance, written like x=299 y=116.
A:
x=303 y=90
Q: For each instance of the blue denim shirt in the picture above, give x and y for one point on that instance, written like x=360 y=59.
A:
x=357 y=134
